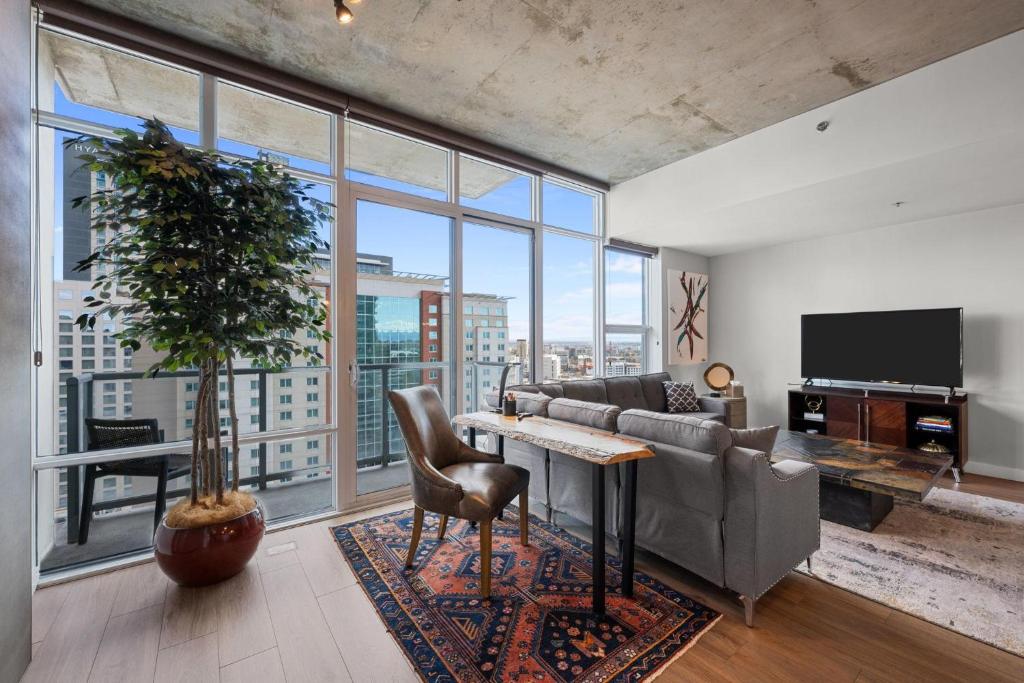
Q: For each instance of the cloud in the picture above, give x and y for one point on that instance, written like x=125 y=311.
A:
x=622 y=263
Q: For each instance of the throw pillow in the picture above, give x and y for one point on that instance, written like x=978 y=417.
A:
x=761 y=439
x=680 y=397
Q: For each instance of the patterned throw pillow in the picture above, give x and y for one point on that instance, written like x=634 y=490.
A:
x=680 y=397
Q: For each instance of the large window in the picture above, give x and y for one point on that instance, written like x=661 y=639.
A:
x=625 y=313
x=89 y=88
x=569 y=310
x=454 y=257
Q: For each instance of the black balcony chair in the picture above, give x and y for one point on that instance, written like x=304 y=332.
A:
x=106 y=434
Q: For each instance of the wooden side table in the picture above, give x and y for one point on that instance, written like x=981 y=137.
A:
x=735 y=410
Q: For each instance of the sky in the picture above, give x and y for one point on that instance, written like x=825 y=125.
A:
x=495 y=261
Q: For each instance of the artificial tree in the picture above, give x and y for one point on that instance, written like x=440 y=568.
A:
x=207 y=259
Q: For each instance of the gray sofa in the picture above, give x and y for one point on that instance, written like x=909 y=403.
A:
x=710 y=501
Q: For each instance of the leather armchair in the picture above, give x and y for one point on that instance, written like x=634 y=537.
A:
x=453 y=480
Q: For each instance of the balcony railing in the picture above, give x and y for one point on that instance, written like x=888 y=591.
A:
x=81 y=392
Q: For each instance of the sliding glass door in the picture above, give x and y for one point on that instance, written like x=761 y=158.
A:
x=402 y=329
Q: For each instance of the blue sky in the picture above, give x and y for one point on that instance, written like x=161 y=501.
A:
x=495 y=261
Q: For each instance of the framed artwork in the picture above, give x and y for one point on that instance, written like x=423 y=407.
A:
x=688 y=317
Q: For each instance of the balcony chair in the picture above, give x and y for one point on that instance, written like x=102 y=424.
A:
x=453 y=480
x=106 y=434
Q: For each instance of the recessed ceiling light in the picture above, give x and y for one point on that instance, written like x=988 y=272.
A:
x=898 y=204
x=822 y=126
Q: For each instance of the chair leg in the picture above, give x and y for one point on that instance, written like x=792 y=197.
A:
x=85 y=518
x=161 y=497
x=417 y=529
x=748 y=609
x=442 y=527
x=485 y=558
x=524 y=518
x=809 y=568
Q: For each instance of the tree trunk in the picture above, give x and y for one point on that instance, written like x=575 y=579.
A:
x=196 y=421
x=202 y=418
x=218 y=452
x=234 y=421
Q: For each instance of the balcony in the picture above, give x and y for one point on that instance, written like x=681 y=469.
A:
x=122 y=522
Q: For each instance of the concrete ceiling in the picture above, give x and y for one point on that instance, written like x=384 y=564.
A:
x=608 y=89
x=946 y=139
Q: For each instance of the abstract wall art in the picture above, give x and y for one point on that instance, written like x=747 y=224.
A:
x=688 y=317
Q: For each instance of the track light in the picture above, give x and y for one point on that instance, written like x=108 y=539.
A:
x=342 y=13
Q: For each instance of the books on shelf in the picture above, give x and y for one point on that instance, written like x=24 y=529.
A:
x=934 y=423
x=814 y=417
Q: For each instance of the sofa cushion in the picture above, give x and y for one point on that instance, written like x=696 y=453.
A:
x=760 y=439
x=701 y=415
x=705 y=436
x=534 y=404
x=625 y=392
x=654 y=390
x=591 y=390
x=552 y=389
x=681 y=397
x=588 y=414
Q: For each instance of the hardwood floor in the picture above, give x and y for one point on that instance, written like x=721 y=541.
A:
x=297 y=614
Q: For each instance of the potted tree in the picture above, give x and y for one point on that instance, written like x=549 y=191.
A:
x=207 y=260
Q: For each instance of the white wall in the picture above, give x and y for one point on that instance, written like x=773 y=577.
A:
x=974 y=260
x=657 y=351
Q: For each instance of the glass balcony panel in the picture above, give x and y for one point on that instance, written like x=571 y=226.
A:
x=291 y=479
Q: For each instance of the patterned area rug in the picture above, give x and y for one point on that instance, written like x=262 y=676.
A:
x=956 y=560
x=535 y=626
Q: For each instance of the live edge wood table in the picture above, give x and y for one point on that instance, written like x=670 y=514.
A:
x=601 y=449
x=860 y=479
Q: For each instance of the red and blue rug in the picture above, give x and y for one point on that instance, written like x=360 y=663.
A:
x=537 y=624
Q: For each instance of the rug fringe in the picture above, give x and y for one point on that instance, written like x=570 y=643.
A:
x=686 y=648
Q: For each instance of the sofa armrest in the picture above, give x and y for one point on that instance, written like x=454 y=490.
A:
x=713 y=405
x=771 y=519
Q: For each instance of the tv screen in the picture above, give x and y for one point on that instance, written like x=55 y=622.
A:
x=905 y=347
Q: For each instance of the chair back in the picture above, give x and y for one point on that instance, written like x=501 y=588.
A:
x=104 y=434
x=426 y=427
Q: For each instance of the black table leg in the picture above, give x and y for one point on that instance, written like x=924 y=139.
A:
x=472 y=437
x=597 y=520
x=501 y=447
x=629 y=529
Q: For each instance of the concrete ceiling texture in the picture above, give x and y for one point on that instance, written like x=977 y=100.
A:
x=611 y=90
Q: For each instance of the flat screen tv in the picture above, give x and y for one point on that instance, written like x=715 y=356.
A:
x=901 y=347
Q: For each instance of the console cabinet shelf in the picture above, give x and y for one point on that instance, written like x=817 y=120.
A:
x=887 y=417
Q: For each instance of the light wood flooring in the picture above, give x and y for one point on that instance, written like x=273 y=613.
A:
x=298 y=615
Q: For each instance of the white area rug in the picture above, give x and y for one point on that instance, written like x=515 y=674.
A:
x=956 y=560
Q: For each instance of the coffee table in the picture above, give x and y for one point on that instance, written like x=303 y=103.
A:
x=860 y=479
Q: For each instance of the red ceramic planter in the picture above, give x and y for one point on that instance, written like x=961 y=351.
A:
x=209 y=554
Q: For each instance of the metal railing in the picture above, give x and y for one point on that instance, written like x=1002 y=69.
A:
x=80 y=399
x=80 y=405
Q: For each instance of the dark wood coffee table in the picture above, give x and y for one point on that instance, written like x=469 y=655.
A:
x=859 y=479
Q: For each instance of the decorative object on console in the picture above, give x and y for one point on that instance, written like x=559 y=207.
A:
x=680 y=397
x=718 y=377
x=508 y=406
x=688 y=309
x=933 y=447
